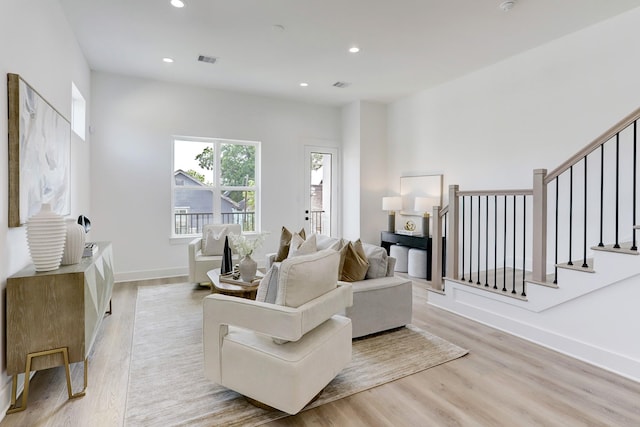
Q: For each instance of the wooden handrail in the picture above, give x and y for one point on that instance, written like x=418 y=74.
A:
x=596 y=143
x=525 y=192
x=444 y=211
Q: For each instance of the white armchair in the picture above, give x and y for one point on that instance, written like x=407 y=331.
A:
x=239 y=336
x=199 y=263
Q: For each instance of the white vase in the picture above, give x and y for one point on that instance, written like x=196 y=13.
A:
x=248 y=268
x=46 y=233
x=74 y=243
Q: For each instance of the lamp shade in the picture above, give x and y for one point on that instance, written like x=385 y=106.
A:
x=391 y=203
x=425 y=204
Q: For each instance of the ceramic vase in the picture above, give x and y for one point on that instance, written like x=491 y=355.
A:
x=46 y=233
x=74 y=243
x=248 y=268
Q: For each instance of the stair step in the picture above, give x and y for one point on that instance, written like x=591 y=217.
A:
x=625 y=248
x=577 y=266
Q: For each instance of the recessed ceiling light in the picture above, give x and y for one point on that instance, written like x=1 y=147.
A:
x=167 y=60
x=177 y=3
x=303 y=84
x=354 y=49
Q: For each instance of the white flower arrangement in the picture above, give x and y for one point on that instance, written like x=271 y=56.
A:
x=245 y=244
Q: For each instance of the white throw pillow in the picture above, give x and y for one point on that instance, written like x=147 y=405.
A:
x=299 y=246
x=213 y=241
x=378 y=260
x=324 y=242
x=268 y=289
x=306 y=277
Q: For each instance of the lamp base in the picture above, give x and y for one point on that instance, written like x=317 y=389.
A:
x=425 y=225
x=391 y=226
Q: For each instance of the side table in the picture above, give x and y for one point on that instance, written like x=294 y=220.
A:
x=220 y=287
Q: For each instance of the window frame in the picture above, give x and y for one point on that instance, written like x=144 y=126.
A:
x=217 y=189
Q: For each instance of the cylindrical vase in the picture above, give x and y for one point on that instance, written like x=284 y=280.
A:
x=74 y=243
x=46 y=233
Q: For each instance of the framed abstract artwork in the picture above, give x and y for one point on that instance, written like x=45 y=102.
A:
x=39 y=154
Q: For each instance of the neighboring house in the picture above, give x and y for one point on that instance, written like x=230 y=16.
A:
x=187 y=201
x=193 y=209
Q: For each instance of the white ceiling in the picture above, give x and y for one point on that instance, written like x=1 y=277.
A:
x=406 y=45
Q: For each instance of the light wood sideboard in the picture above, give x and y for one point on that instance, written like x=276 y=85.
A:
x=53 y=317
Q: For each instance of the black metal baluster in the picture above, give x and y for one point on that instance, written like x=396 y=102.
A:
x=504 y=249
x=513 y=288
x=584 y=249
x=479 y=242
x=470 y=239
x=570 y=213
x=495 y=242
x=555 y=268
x=463 y=212
x=486 y=241
x=633 y=245
x=524 y=241
x=617 y=244
x=601 y=193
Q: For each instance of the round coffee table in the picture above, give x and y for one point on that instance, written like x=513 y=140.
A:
x=220 y=287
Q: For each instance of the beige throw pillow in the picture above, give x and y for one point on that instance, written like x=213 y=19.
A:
x=354 y=262
x=285 y=242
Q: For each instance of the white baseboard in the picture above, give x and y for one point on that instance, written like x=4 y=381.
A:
x=603 y=358
x=129 y=276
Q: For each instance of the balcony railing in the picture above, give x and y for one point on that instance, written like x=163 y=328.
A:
x=192 y=223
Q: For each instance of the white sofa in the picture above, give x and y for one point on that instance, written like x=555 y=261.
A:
x=379 y=303
x=199 y=264
x=243 y=350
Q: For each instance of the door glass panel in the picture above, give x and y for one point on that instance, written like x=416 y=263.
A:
x=320 y=193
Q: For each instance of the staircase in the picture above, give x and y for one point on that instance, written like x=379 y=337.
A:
x=556 y=264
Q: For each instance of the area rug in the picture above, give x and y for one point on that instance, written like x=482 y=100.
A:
x=167 y=386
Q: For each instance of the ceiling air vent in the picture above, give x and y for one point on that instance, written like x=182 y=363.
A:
x=207 y=59
x=341 y=84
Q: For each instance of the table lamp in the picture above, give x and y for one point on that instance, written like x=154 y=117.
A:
x=392 y=204
x=425 y=204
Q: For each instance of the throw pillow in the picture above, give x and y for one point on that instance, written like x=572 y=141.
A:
x=306 y=277
x=378 y=260
x=213 y=243
x=355 y=265
x=299 y=246
x=323 y=241
x=268 y=288
x=285 y=242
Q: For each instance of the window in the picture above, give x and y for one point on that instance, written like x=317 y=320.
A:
x=214 y=181
x=78 y=111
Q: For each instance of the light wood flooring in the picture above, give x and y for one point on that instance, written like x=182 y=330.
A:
x=503 y=381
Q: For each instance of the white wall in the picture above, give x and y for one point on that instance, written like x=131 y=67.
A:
x=491 y=128
x=134 y=120
x=373 y=170
x=38 y=44
x=364 y=130
x=351 y=171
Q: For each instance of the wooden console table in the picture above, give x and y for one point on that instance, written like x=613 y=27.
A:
x=420 y=242
x=53 y=317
